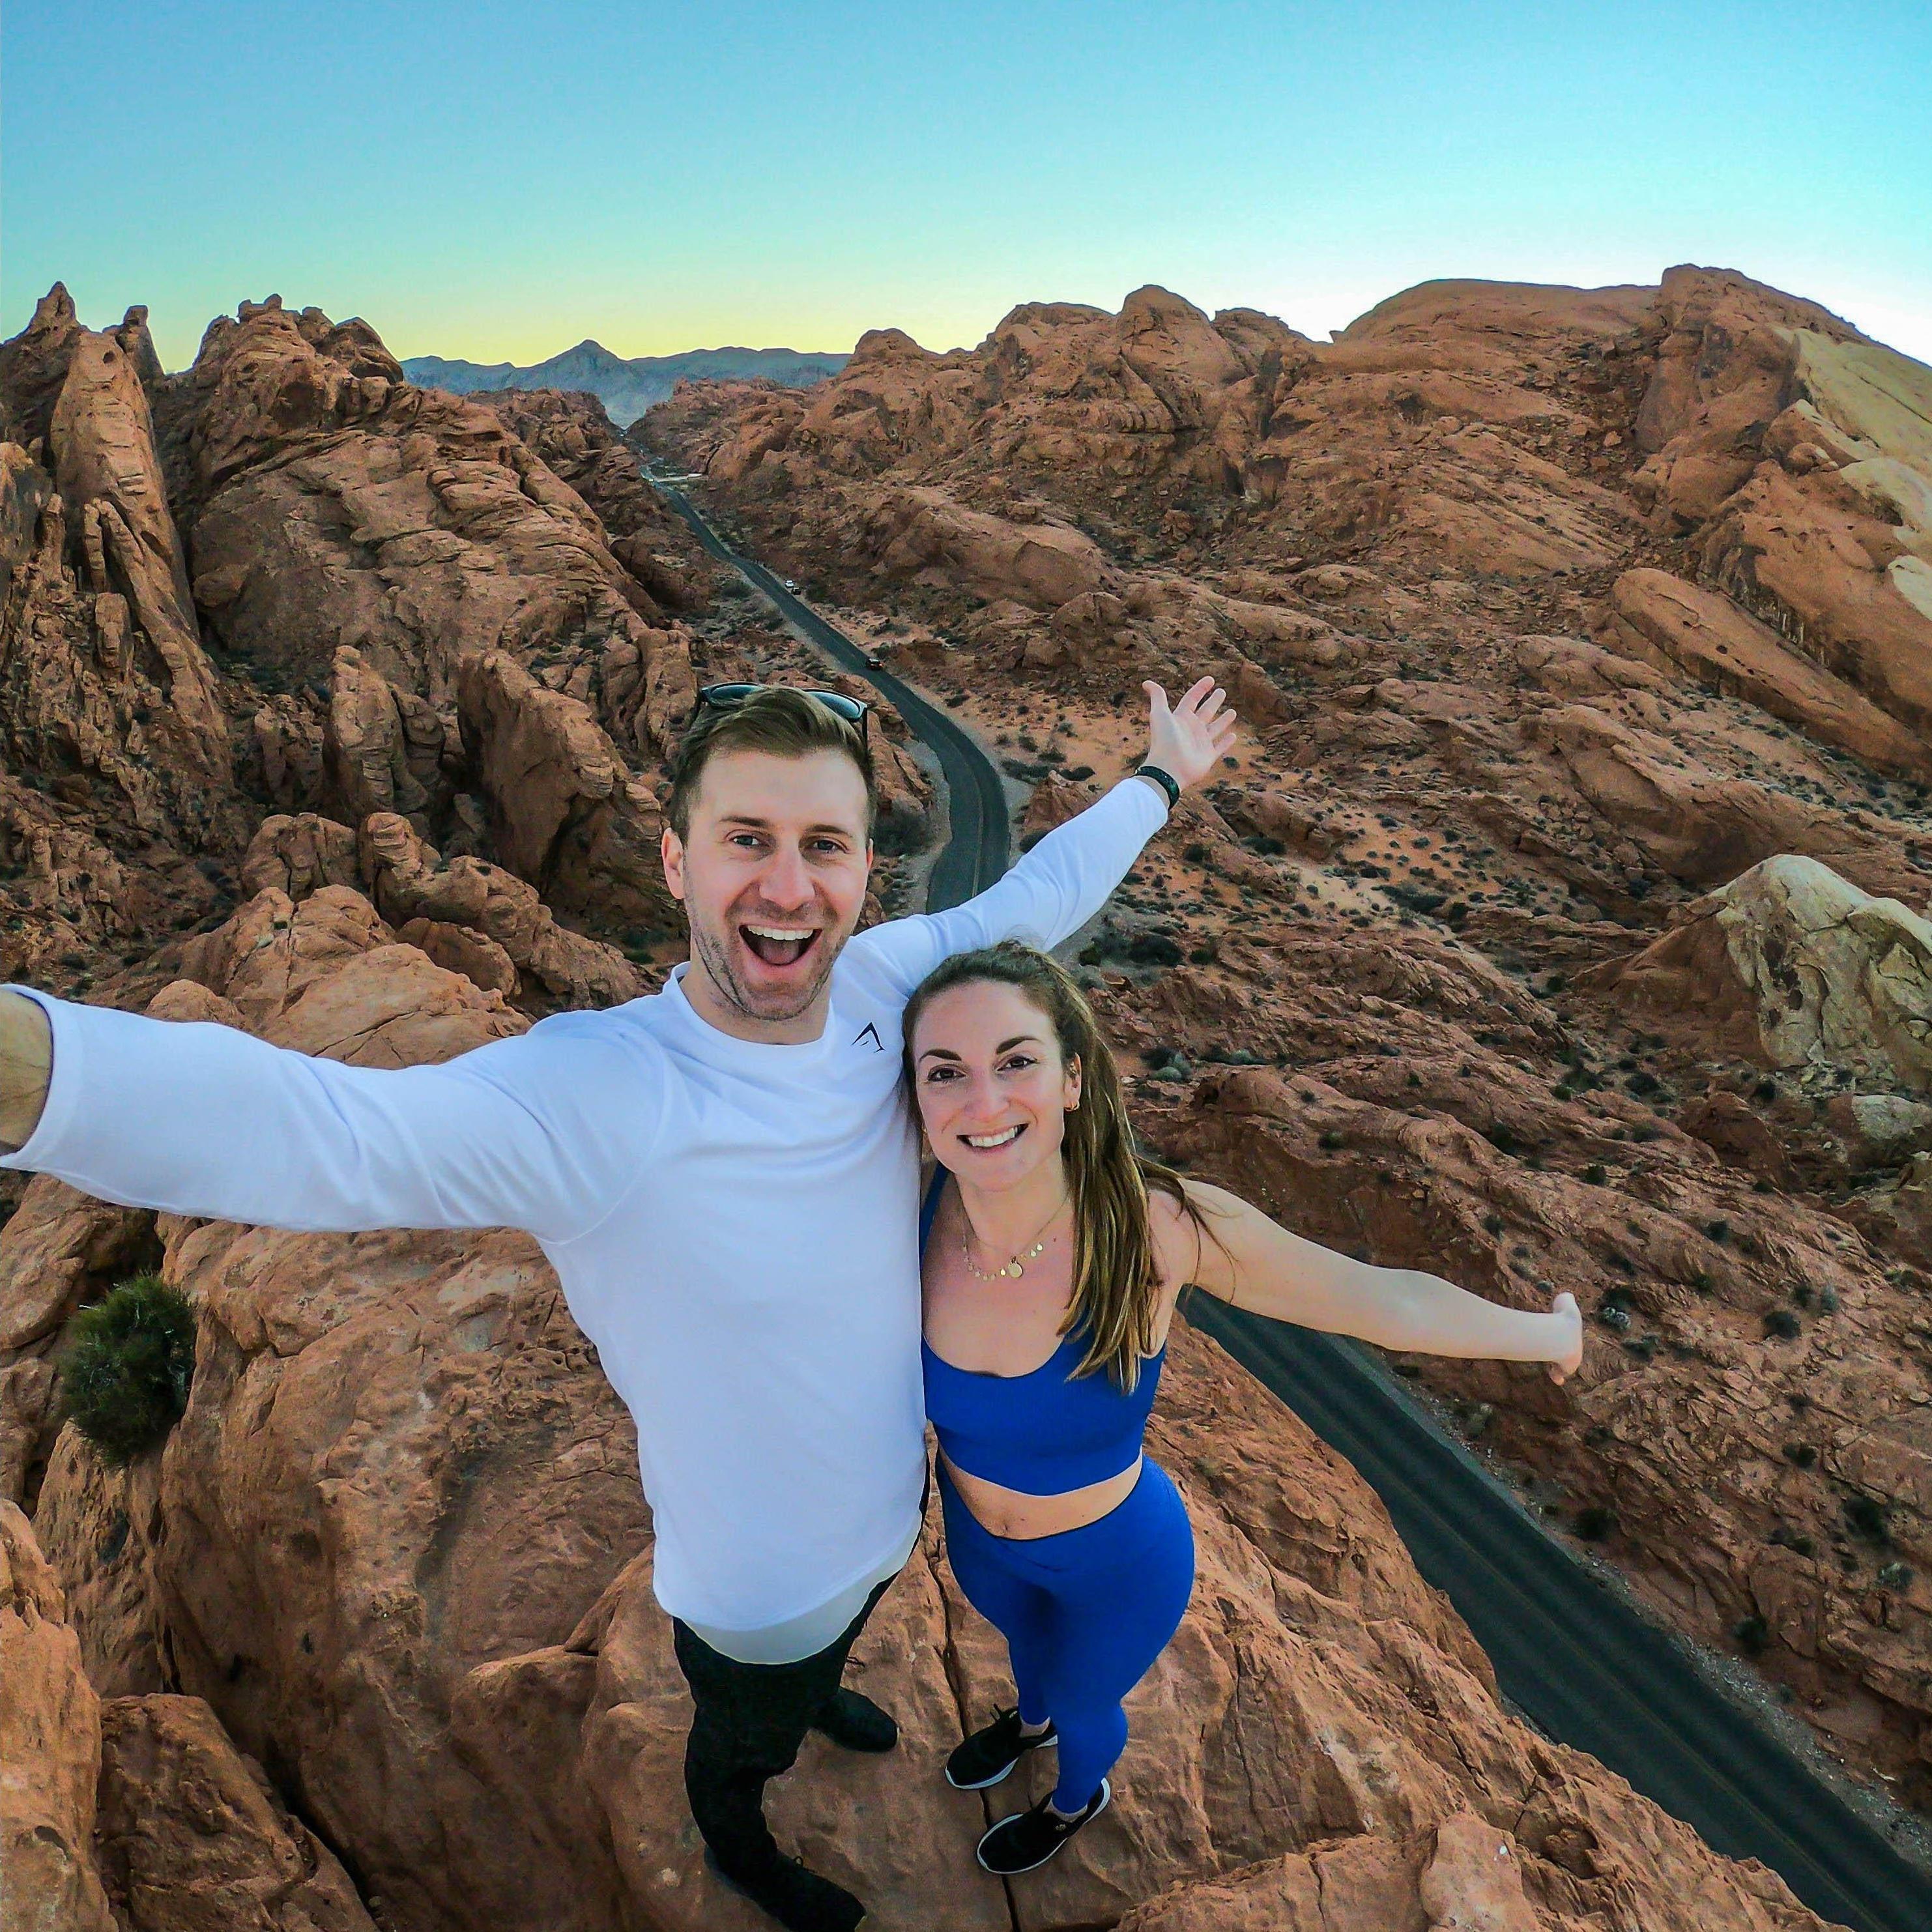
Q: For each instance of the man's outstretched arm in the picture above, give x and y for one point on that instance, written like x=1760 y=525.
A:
x=1054 y=890
x=198 y=1118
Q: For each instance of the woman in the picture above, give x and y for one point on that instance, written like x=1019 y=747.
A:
x=1053 y=1254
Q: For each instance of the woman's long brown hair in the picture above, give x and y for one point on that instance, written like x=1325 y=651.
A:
x=1116 y=1281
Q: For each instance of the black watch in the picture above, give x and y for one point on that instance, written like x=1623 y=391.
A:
x=1165 y=780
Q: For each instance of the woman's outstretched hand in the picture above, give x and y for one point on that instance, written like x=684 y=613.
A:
x=1189 y=740
x=1571 y=1359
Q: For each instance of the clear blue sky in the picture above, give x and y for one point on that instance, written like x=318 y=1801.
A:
x=499 y=180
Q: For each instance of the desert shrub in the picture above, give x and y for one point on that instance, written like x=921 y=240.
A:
x=126 y=1368
x=1865 y=1516
x=1152 y=948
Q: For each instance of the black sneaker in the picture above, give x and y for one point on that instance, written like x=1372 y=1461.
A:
x=1029 y=1838
x=793 y=1894
x=854 y=1721
x=989 y=1754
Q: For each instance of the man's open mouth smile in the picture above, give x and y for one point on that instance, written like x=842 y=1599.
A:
x=779 y=945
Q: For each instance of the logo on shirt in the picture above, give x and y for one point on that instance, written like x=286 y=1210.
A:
x=870 y=1032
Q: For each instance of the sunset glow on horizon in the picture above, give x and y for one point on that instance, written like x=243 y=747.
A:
x=504 y=182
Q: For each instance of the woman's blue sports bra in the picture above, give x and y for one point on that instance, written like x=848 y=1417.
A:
x=1042 y=1433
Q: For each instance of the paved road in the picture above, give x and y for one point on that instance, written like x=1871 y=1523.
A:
x=978 y=851
x=1579 y=1662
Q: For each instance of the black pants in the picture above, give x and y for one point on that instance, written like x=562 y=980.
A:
x=751 y=1719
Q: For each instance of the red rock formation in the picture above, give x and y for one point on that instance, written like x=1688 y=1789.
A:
x=355 y=540
x=137 y=1814
x=192 y=1833
x=110 y=721
x=333 y=504
x=395 y=1554
x=572 y=434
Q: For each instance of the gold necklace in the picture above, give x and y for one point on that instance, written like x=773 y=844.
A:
x=1013 y=1267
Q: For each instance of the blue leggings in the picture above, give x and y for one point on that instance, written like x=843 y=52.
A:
x=1084 y=1613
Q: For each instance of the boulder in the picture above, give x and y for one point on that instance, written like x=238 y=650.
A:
x=1676 y=626
x=192 y=1837
x=382 y=749
x=50 y=1747
x=923 y=532
x=299 y=852
x=509 y=923
x=566 y=813
x=1796 y=968
x=100 y=1525
x=1698 y=826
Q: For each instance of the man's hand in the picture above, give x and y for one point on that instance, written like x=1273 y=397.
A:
x=1188 y=741
x=26 y=1058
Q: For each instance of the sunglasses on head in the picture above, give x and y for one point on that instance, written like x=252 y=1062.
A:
x=728 y=696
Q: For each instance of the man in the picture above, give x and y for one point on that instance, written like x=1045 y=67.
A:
x=723 y=1175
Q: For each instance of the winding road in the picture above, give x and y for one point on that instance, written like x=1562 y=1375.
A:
x=1580 y=1664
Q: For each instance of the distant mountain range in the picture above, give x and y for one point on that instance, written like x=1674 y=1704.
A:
x=626 y=387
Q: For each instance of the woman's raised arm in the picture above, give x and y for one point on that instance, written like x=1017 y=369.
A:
x=1252 y=1262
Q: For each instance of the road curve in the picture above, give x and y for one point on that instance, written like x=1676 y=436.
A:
x=978 y=851
x=1581 y=1665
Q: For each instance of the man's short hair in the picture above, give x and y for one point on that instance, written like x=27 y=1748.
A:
x=780 y=720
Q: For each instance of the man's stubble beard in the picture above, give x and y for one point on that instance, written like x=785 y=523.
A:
x=716 y=960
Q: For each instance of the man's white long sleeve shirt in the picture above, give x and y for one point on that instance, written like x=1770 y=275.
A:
x=733 y=1223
